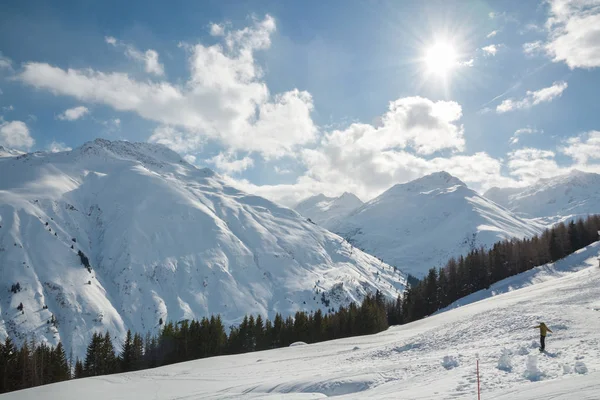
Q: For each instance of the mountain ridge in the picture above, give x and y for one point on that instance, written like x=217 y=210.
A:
x=162 y=240
x=561 y=198
x=328 y=211
x=421 y=224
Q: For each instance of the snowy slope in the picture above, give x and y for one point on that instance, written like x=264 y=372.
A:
x=328 y=211
x=433 y=359
x=421 y=224
x=5 y=152
x=565 y=197
x=164 y=240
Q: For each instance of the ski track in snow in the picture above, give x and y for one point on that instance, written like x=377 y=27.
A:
x=434 y=358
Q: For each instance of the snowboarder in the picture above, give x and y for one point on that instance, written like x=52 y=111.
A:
x=543 y=330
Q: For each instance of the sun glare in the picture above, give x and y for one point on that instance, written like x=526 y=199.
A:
x=440 y=59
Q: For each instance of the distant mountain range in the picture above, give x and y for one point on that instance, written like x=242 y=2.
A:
x=421 y=224
x=553 y=200
x=328 y=211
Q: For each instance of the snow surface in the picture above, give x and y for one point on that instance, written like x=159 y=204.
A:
x=421 y=224
x=165 y=240
x=434 y=358
x=328 y=211
x=552 y=200
x=5 y=152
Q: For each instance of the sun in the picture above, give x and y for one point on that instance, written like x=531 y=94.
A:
x=440 y=58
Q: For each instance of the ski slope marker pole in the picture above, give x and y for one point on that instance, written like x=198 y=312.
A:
x=478 y=389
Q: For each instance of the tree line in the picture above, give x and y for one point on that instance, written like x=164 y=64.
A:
x=38 y=364
x=31 y=365
x=481 y=268
x=184 y=341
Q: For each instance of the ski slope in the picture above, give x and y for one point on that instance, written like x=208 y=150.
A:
x=434 y=358
x=165 y=241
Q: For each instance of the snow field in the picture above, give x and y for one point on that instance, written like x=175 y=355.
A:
x=434 y=358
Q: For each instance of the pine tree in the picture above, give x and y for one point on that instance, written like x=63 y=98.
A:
x=109 y=360
x=60 y=367
x=8 y=356
x=79 y=369
x=259 y=334
x=126 y=357
x=137 y=361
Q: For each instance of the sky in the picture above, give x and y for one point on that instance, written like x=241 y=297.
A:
x=290 y=99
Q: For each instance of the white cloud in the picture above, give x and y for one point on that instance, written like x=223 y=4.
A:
x=533 y=98
x=574 y=33
x=531 y=27
x=217 y=30
x=492 y=34
x=15 y=134
x=410 y=122
x=468 y=63
x=528 y=164
x=8 y=108
x=229 y=163
x=531 y=48
x=56 y=147
x=5 y=62
x=281 y=171
x=152 y=64
x=73 y=114
x=177 y=140
x=224 y=99
x=367 y=159
x=523 y=131
x=491 y=50
x=149 y=58
x=583 y=148
x=190 y=158
x=368 y=173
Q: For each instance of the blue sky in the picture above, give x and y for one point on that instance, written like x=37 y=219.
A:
x=289 y=99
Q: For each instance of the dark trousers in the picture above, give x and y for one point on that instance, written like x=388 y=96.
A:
x=542 y=342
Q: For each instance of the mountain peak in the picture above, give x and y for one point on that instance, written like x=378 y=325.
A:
x=559 y=198
x=439 y=179
x=347 y=196
x=328 y=211
x=146 y=153
x=7 y=152
x=156 y=233
x=436 y=180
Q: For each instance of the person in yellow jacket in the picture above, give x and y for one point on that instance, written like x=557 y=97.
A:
x=543 y=331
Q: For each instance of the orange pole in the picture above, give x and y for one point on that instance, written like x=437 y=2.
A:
x=478 y=388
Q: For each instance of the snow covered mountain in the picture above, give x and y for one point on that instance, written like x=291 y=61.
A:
x=328 y=211
x=4 y=152
x=432 y=359
x=421 y=224
x=573 y=195
x=161 y=240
